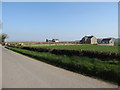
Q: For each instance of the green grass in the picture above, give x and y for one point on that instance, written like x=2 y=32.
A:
x=84 y=47
x=108 y=70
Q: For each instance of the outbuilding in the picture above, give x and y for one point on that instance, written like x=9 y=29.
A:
x=107 y=41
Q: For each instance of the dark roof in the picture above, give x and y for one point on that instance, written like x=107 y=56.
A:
x=55 y=39
x=89 y=36
x=106 y=39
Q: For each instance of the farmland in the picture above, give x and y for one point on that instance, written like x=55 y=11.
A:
x=99 y=48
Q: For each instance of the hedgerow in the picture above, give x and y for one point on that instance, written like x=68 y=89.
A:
x=86 y=53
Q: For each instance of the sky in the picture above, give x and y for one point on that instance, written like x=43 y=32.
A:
x=67 y=21
x=0 y=17
x=0 y=10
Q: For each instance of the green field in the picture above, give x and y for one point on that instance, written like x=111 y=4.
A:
x=100 y=48
x=108 y=70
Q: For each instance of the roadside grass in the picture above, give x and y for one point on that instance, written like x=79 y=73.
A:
x=100 y=48
x=107 y=70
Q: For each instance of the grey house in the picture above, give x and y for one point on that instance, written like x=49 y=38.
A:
x=89 y=40
x=108 y=41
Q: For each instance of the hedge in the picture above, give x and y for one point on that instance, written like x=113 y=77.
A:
x=86 y=53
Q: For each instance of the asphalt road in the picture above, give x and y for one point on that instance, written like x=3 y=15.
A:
x=0 y=66
x=19 y=71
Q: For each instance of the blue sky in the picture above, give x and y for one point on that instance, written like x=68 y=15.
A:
x=0 y=10
x=67 y=21
x=0 y=16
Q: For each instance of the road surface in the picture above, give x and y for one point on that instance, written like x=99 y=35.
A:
x=0 y=66
x=19 y=71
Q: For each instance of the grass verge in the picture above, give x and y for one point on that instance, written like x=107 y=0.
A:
x=107 y=70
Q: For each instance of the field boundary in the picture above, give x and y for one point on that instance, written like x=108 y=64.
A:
x=86 y=53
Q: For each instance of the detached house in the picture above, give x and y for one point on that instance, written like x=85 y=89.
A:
x=107 y=41
x=89 y=40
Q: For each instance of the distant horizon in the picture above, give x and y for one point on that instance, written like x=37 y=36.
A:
x=59 y=40
x=66 y=21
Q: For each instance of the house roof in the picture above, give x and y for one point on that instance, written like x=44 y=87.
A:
x=55 y=39
x=107 y=39
x=88 y=36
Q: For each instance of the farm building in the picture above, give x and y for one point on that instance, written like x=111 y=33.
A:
x=89 y=40
x=48 y=40
x=53 y=40
x=107 y=41
x=99 y=40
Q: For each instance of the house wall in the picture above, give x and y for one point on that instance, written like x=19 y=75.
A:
x=111 y=42
x=83 y=40
x=93 y=40
x=56 y=40
x=88 y=41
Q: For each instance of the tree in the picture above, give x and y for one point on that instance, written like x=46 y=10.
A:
x=3 y=37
